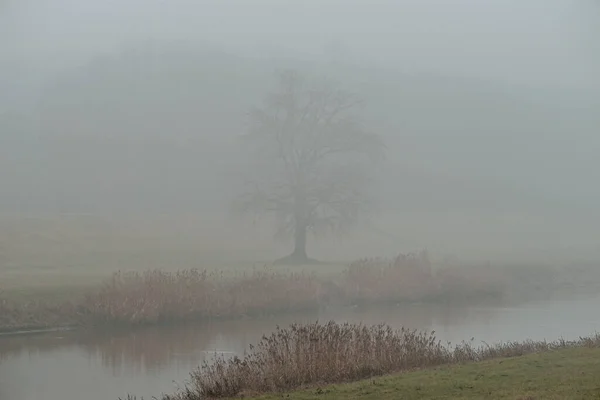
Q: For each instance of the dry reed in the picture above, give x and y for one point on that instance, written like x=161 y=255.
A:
x=302 y=355
x=411 y=277
x=407 y=277
x=156 y=296
x=159 y=296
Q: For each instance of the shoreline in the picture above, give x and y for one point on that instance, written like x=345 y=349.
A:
x=34 y=331
x=497 y=300
x=25 y=330
x=367 y=361
x=157 y=297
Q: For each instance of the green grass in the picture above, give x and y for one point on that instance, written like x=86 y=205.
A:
x=562 y=374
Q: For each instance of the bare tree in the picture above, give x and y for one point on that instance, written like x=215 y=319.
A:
x=311 y=160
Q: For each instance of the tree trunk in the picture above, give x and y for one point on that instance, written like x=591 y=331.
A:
x=299 y=255
x=299 y=242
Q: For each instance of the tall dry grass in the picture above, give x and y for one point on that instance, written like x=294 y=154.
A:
x=159 y=296
x=316 y=353
x=407 y=277
x=411 y=277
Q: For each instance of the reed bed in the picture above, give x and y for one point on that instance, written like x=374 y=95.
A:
x=407 y=277
x=411 y=277
x=264 y=291
x=159 y=296
x=304 y=355
x=156 y=296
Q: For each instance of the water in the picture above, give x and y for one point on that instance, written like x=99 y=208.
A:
x=148 y=362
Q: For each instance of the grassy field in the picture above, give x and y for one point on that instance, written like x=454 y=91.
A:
x=560 y=374
x=48 y=262
x=57 y=257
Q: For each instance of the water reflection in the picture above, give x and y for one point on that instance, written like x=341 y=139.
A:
x=106 y=365
x=152 y=349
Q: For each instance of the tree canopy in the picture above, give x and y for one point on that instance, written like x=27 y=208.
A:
x=312 y=159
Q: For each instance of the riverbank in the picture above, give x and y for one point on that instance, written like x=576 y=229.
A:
x=562 y=374
x=161 y=297
x=318 y=356
x=149 y=361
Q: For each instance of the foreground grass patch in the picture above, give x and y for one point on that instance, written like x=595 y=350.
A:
x=561 y=374
x=321 y=354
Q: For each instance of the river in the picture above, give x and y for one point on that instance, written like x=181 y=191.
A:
x=150 y=361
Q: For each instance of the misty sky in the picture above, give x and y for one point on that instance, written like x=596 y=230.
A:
x=486 y=105
x=549 y=42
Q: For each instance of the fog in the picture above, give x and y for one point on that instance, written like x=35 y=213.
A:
x=130 y=111
x=121 y=127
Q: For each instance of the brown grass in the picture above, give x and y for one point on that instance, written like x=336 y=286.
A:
x=411 y=277
x=158 y=296
x=304 y=355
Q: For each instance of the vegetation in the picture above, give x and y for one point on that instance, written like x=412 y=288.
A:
x=411 y=278
x=155 y=297
x=564 y=374
x=31 y=315
x=313 y=158
x=321 y=354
